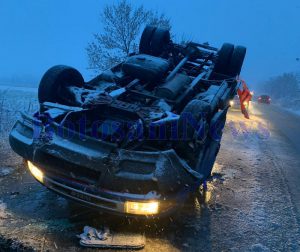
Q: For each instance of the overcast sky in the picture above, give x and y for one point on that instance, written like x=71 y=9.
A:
x=37 y=34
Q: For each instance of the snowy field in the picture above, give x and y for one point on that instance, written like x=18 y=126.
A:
x=13 y=100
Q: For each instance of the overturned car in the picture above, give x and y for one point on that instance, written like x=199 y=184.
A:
x=141 y=136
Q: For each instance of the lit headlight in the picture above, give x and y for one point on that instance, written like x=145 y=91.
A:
x=231 y=103
x=245 y=103
x=36 y=172
x=141 y=208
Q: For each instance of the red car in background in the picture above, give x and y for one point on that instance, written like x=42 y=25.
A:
x=264 y=99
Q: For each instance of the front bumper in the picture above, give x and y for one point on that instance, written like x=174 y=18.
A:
x=100 y=175
x=106 y=200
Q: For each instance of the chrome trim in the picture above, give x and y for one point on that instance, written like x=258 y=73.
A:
x=120 y=206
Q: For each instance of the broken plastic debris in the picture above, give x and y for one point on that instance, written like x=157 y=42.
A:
x=103 y=238
x=92 y=233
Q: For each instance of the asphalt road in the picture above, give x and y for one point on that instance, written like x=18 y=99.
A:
x=252 y=203
x=285 y=145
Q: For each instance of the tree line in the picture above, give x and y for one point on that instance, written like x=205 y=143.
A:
x=283 y=87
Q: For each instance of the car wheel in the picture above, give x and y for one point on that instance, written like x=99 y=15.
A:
x=207 y=159
x=192 y=113
x=224 y=57
x=145 y=42
x=188 y=122
x=209 y=150
x=236 y=62
x=53 y=84
x=159 y=42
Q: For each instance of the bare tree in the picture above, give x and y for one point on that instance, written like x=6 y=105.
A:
x=122 y=25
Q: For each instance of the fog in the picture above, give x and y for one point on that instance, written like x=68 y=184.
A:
x=36 y=35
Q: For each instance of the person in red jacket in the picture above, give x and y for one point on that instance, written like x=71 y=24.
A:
x=245 y=97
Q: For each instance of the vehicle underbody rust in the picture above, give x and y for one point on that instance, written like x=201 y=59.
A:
x=147 y=129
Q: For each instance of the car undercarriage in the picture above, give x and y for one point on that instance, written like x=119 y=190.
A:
x=146 y=131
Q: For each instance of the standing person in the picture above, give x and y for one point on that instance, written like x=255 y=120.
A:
x=245 y=97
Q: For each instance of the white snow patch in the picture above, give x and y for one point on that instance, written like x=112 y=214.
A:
x=259 y=248
x=4 y=171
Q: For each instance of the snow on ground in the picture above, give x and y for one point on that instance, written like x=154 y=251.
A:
x=292 y=106
x=4 y=171
x=13 y=100
x=294 y=111
x=22 y=89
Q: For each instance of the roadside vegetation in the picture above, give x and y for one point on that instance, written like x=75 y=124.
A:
x=284 y=90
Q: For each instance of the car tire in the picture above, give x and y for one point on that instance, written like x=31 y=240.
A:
x=195 y=110
x=159 y=42
x=211 y=147
x=210 y=151
x=224 y=57
x=205 y=154
x=236 y=61
x=54 y=80
x=145 y=42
